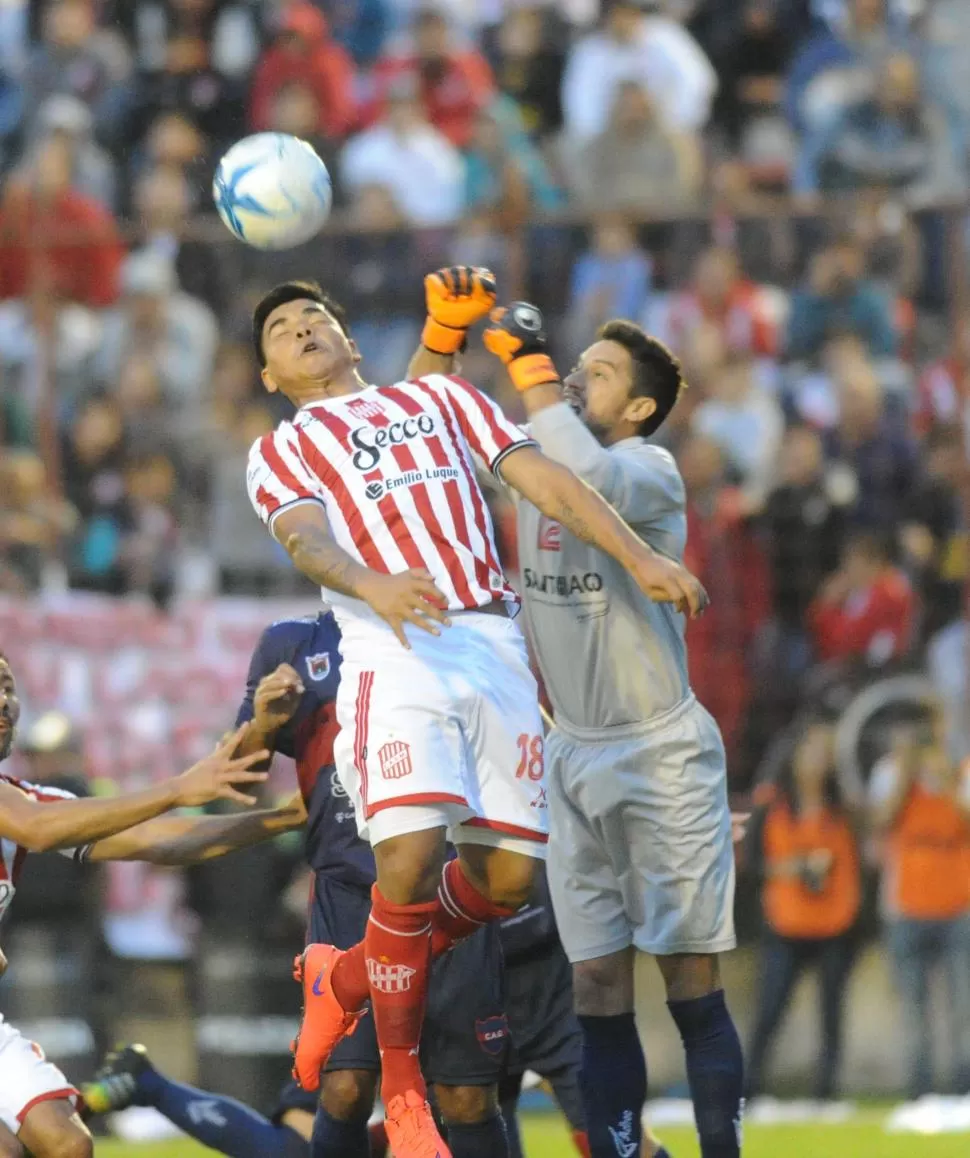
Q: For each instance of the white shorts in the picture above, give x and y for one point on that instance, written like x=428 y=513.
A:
x=26 y=1078
x=447 y=733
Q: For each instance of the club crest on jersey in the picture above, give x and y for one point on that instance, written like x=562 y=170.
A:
x=492 y=1033
x=550 y=535
x=318 y=666
x=365 y=409
x=395 y=760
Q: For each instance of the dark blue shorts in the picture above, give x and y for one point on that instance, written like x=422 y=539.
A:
x=465 y=1035
x=545 y=1034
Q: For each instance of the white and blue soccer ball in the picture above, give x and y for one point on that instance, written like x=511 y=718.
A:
x=272 y=191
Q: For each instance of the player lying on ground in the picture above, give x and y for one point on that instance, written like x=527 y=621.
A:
x=640 y=855
x=466 y=1033
x=37 y=1103
x=372 y=492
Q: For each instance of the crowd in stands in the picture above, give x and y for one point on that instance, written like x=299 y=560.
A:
x=623 y=158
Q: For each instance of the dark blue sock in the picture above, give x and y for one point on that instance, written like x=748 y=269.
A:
x=715 y=1072
x=335 y=1139
x=663 y=1152
x=221 y=1123
x=483 y=1140
x=510 y=1112
x=614 y=1083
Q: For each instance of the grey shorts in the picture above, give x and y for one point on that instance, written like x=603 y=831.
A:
x=640 y=847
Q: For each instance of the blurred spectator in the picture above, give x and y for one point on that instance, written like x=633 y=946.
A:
x=505 y=174
x=94 y=461
x=154 y=317
x=192 y=84
x=723 y=552
x=360 y=26
x=79 y=58
x=721 y=296
x=296 y=110
x=746 y=422
x=152 y=531
x=933 y=532
x=751 y=66
x=453 y=84
x=92 y=169
x=893 y=141
x=407 y=155
x=920 y=801
x=839 y=299
x=637 y=164
x=163 y=204
x=943 y=395
x=229 y=28
x=610 y=280
x=54 y=241
x=53 y=750
x=13 y=108
x=804 y=848
x=32 y=522
x=173 y=140
x=865 y=611
x=836 y=66
x=303 y=52
x=527 y=51
x=804 y=522
x=638 y=42
x=145 y=410
x=945 y=64
x=878 y=450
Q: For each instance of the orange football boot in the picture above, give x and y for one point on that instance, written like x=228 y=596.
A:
x=411 y=1131
x=324 y=1022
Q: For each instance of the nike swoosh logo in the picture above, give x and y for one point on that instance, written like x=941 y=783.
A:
x=317 y=991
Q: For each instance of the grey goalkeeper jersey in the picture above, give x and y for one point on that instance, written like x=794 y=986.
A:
x=610 y=657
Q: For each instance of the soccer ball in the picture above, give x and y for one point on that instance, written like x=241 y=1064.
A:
x=272 y=191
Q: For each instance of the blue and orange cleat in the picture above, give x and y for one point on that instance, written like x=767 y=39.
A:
x=411 y=1129
x=325 y=1022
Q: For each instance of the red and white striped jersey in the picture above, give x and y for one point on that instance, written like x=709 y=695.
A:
x=394 y=466
x=12 y=855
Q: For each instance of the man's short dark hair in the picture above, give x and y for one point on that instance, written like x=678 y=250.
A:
x=293 y=291
x=656 y=371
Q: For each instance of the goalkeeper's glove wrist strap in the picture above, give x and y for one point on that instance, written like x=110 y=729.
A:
x=532 y=370
x=442 y=339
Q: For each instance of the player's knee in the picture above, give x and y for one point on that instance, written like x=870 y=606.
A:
x=688 y=976
x=603 y=987
x=506 y=878
x=409 y=866
x=72 y=1142
x=466 y=1105
x=348 y=1095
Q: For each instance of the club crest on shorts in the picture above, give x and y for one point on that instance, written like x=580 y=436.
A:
x=395 y=760
x=550 y=535
x=364 y=408
x=318 y=666
x=492 y=1033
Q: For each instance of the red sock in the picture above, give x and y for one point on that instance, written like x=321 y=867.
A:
x=398 y=952
x=581 y=1138
x=377 y=1136
x=461 y=910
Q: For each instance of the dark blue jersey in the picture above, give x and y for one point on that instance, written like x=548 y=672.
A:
x=311 y=646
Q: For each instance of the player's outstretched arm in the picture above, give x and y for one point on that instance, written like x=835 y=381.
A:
x=182 y=840
x=457 y=297
x=409 y=597
x=42 y=827
x=561 y=496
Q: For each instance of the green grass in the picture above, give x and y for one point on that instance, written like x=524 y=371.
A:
x=545 y=1137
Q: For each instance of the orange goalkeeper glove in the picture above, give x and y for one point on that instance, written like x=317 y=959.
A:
x=457 y=297
x=517 y=336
